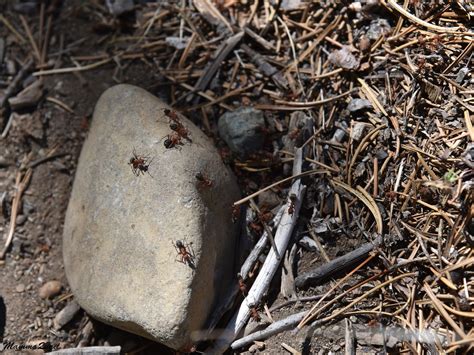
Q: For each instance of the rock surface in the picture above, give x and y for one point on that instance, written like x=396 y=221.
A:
x=120 y=228
x=242 y=130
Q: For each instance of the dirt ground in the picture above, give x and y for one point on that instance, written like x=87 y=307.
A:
x=50 y=128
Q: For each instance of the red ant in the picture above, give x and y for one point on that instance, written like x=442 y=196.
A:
x=256 y=227
x=180 y=130
x=254 y=314
x=291 y=208
x=139 y=164
x=203 y=181
x=235 y=213
x=172 y=115
x=242 y=285
x=265 y=216
x=184 y=255
x=173 y=140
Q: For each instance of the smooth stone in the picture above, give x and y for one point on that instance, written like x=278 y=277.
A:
x=242 y=130
x=50 y=289
x=119 y=231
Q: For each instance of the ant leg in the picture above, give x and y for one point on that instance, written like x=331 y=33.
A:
x=190 y=247
x=179 y=260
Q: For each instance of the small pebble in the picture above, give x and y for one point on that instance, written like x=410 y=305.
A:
x=242 y=130
x=20 y=288
x=50 y=289
x=359 y=104
x=20 y=220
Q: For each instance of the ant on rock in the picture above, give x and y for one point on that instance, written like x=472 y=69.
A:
x=184 y=256
x=203 y=181
x=172 y=115
x=139 y=164
x=174 y=140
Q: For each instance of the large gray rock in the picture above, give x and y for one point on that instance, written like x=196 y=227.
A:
x=120 y=228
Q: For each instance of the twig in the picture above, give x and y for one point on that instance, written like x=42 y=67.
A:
x=298 y=176
x=12 y=87
x=266 y=68
x=21 y=184
x=313 y=312
x=262 y=282
x=30 y=37
x=73 y=69
x=274 y=328
x=350 y=338
x=290 y=349
x=336 y=265
x=9 y=124
x=428 y=25
x=219 y=56
x=11 y=28
x=90 y=350
x=267 y=229
x=259 y=247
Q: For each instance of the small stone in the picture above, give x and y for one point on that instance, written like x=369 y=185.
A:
x=20 y=220
x=358 y=130
x=336 y=329
x=308 y=243
x=177 y=42
x=378 y=28
x=462 y=74
x=118 y=7
x=344 y=59
x=66 y=314
x=50 y=289
x=242 y=130
x=364 y=43
x=381 y=154
x=20 y=288
x=358 y=105
x=290 y=4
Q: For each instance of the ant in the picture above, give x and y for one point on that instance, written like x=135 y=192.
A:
x=184 y=255
x=235 y=213
x=139 y=164
x=242 y=285
x=203 y=181
x=254 y=314
x=291 y=208
x=173 y=140
x=172 y=115
x=180 y=130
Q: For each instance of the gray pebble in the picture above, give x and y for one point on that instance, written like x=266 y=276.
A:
x=20 y=220
x=241 y=130
x=359 y=104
